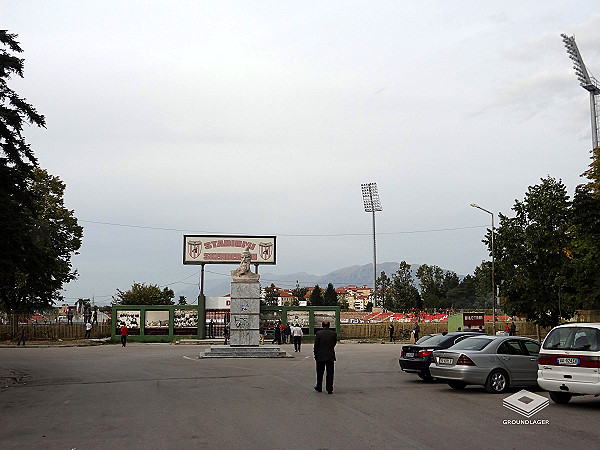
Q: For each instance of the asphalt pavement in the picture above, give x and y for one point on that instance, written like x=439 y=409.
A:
x=162 y=396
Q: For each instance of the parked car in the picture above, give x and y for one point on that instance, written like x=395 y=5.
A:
x=416 y=358
x=569 y=362
x=496 y=362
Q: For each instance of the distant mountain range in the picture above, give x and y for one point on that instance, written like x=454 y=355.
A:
x=357 y=275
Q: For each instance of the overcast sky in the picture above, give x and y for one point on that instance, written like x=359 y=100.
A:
x=167 y=118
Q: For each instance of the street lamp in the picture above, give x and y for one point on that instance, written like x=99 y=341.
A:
x=588 y=82
x=474 y=205
x=372 y=204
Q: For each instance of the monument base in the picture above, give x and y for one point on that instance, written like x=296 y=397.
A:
x=263 y=351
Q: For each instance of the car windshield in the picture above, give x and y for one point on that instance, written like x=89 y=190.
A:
x=573 y=338
x=471 y=343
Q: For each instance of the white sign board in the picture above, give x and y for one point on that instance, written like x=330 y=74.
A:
x=218 y=249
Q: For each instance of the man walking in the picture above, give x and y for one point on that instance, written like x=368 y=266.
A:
x=324 y=351
x=124 y=335
x=88 y=330
x=297 y=337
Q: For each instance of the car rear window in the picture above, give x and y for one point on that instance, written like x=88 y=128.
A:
x=423 y=339
x=437 y=339
x=471 y=343
x=573 y=338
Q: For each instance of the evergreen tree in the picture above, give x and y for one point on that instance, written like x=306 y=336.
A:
x=330 y=297
x=39 y=235
x=316 y=296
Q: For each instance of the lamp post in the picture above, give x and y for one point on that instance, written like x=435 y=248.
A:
x=493 y=283
x=372 y=204
x=586 y=81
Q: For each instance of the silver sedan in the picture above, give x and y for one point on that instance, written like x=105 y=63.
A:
x=495 y=362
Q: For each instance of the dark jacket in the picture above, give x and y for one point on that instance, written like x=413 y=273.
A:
x=325 y=341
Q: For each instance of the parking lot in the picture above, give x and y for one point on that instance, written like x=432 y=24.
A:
x=163 y=396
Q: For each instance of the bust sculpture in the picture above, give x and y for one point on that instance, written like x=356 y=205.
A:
x=243 y=273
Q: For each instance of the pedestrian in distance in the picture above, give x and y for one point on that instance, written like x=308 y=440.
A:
x=416 y=331
x=124 y=335
x=287 y=331
x=226 y=332
x=513 y=329
x=21 y=337
x=88 y=330
x=324 y=351
x=391 y=332
x=211 y=329
x=95 y=321
x=297 y=337
x=277 y=336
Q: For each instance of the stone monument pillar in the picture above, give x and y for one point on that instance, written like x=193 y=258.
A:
x=245 y=318
x=245 y=304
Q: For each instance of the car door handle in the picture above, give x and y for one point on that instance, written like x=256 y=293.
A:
x=506 y=358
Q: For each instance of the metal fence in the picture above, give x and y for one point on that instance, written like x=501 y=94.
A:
x=11 y=327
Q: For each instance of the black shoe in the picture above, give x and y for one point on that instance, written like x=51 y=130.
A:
x=330 y=392
x=317 y=389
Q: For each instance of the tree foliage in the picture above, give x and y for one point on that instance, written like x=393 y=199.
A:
x=271 y=295
x=403 y=295
x=142 y=294
x=383 y=292
x=49 y=237
x=316 y=296
x=532 y=254
x=299 y=294
x=330 y=297
x=39 y=235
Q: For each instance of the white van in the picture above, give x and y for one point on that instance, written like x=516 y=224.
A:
x=569 y=361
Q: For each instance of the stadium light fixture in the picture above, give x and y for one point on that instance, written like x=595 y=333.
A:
x=588 y=82
x=372 y=204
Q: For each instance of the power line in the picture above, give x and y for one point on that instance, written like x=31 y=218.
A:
x=434 y=230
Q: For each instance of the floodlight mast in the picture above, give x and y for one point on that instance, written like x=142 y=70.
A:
x=372 y=204
x=588 y=82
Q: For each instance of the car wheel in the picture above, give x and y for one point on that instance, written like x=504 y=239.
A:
x=497 y=382
x=425 y=376
x=457 y=385
x=560 y=397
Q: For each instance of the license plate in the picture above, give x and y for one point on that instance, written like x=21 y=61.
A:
x=409 y=355
x=445 y=360
x=568 y=361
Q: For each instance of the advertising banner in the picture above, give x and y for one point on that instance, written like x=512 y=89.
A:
x=219 y=249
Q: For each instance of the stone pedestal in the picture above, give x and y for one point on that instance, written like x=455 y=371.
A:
x=244 y=326
x=263 y=351
x=245 y=314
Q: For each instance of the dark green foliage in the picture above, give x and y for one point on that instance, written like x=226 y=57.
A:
x=531 y=255
x=403 y=295
x=39 y=235
x=271 y=295
x=330 y=297
x=316 y=296
x=142 y=294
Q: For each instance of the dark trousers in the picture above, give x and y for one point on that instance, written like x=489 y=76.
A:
x=21 y=339
x=321 y=366
x=124 y=340
x=87 y=334
x=297 y=343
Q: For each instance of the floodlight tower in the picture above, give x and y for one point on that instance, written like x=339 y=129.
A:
x=588 y=82
x=372 y=204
